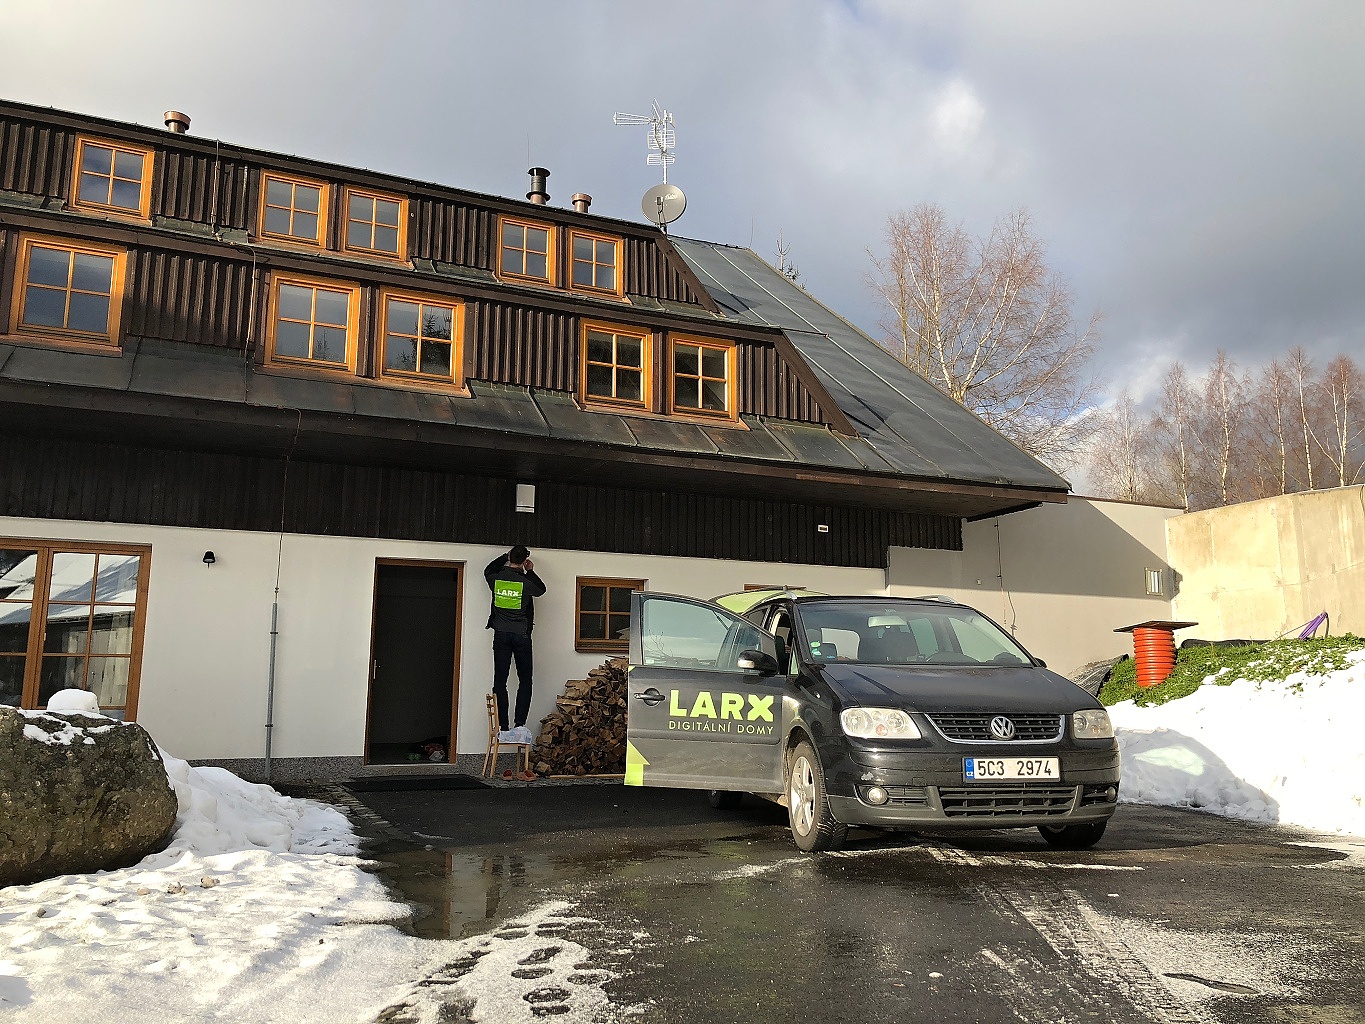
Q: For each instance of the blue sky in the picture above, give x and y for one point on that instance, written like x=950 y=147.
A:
x=1194 y=168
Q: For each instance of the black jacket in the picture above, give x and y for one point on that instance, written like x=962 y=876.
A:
x=514 y=594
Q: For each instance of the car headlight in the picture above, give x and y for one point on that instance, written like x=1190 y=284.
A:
x=1092 y=725
x=878 y=724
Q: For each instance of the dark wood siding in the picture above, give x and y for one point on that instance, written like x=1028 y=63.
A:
x=185 y=189
x=452 y=232
x=524 y=345
x=768 y=387
x=60 y=479
x=35 y=158
x=182 y=297
x=650 y=272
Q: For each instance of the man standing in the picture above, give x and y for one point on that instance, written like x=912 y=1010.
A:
x=512 y=579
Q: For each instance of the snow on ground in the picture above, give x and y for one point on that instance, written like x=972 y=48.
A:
x=259 y=911
x=1287 y=751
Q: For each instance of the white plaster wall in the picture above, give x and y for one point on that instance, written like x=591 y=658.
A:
x=1061 y=577
x=207 y=637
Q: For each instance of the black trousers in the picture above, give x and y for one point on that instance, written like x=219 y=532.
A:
x=507 y=646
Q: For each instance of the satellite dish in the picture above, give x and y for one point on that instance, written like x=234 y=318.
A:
x=663 y=204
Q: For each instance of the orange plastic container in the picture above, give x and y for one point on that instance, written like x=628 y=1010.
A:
x=1154 y=649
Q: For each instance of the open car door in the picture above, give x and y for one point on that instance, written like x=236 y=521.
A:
x=704 y=698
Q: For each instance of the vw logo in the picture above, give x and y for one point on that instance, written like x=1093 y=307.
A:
x=1002 y=728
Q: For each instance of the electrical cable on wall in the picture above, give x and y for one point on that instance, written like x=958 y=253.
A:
x=1000 y=575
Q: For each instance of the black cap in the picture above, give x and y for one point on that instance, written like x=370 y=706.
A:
x=518 y=554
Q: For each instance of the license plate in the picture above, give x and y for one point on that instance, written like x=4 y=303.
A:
x=988 y=769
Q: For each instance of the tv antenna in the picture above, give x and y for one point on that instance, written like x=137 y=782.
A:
x=662 y=139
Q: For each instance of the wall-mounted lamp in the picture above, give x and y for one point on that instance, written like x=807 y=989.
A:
x=526 y=497
x=822 y=528
x=209 y=559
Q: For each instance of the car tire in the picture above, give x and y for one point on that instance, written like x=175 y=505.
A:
x=813 y=826
x=724 y=799
x=1073 y=837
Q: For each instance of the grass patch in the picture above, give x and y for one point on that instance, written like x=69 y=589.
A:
x=1278 y=659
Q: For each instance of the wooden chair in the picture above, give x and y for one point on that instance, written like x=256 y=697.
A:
x=495 y=745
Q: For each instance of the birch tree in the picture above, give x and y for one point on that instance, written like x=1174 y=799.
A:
x=1343 y=435
x=1120 y=454
x=991 y=325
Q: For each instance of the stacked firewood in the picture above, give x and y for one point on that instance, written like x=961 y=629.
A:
x=586 y=732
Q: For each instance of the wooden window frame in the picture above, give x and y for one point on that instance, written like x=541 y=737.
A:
x=46 y=548
x=345 y=215
x=646 y=336
x=731 y=413
x=593 y=645
x=109 y=341
x=457 y=341
x=144 y=210
x=324 y=210
x=352 y=323
x=617 y=292
x=551 y=278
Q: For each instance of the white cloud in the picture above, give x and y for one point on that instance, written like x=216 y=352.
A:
x=957 y=117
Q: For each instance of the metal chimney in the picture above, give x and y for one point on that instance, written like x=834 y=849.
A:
x=177 y=122
x=581 y=201
x=538 y=195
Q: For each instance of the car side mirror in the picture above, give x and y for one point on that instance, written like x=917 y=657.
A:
x=757 y=661
x=1039 y=663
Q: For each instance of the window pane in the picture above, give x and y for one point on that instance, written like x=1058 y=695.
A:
x=400 y=353
x=606 y=278
x=582 y=274
x=386 y=239
x=108 y=680
x=606 y=253
x=60 y=674
x=291 y=339
x=276 y=221
x=436 y=358
x=332 y=308
x=536 y=266
x=592 y=626
x=14 y=628
x=582 y=248
x=49 y=266
x=358 y=235
x=437 y=322
x=403 y=316
x=278 y=193
x=89 y=313
x=599 y=347
x=685 y=359
x=386 y=212
x=599 y=381
x=296 y=303
x=92 y=188
x=306 y=198
x=620 y=599
x=512 y=236
x=44 y=307
x=127 y=195
x=537 y=240
x=18 y=569
x=116 y=579
x=592 y=599
x=68 y=626
x=93 y=273
x=111 y=630
x=713 y=363
x=511 y=261
x=685 y=392
x=329 y=344
x=128 y=165
x=694 y=636
x=618 y=627
x=99 y=159
x=11 y=681
x=628 y=385
x=305 y=226
x=361 y=208
x=73 y=576
x=628 y=350
x=715 y=396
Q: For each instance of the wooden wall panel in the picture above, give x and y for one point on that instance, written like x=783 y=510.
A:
x=35 y=158
x=186 y=189
x=524 y=345
x=182 y=297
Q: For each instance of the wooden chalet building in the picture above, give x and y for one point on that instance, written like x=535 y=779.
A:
x=263 y=420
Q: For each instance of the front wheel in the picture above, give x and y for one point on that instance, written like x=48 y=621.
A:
x=1073 y=837
x=813 y=826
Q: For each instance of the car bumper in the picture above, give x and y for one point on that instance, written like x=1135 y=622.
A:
x=926 y=789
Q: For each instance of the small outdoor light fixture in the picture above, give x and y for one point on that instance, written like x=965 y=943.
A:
x=822 y=528
x=526 y=497
x=209 y=559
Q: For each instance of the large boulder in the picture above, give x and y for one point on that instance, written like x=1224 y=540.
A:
x=78 y=792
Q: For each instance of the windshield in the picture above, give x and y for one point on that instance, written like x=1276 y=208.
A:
x=881 y=632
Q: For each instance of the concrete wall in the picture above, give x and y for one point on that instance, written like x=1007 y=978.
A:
x=1061 y=578
x=1262 y=568
x=207 y=637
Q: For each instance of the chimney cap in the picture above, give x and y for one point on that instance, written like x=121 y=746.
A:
x=538 y=194
x=581 y=201
x=177 y=121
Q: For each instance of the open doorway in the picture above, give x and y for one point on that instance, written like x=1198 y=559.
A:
x=414 y=662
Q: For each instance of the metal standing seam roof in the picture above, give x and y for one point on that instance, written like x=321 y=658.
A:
x=914 y=427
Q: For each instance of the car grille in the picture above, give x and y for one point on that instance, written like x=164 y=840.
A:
x=907 y=796
x=977 y=726
x=1003 y=800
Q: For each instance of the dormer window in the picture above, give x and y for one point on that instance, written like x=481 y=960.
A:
x=595 y=262
x=293 y=209
x=113 y=178
x=313 y=323
x=69 y=291
x=703 y=377
x=615 y=366
x=376 y=224
x=422 y=339
x=525 y=251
